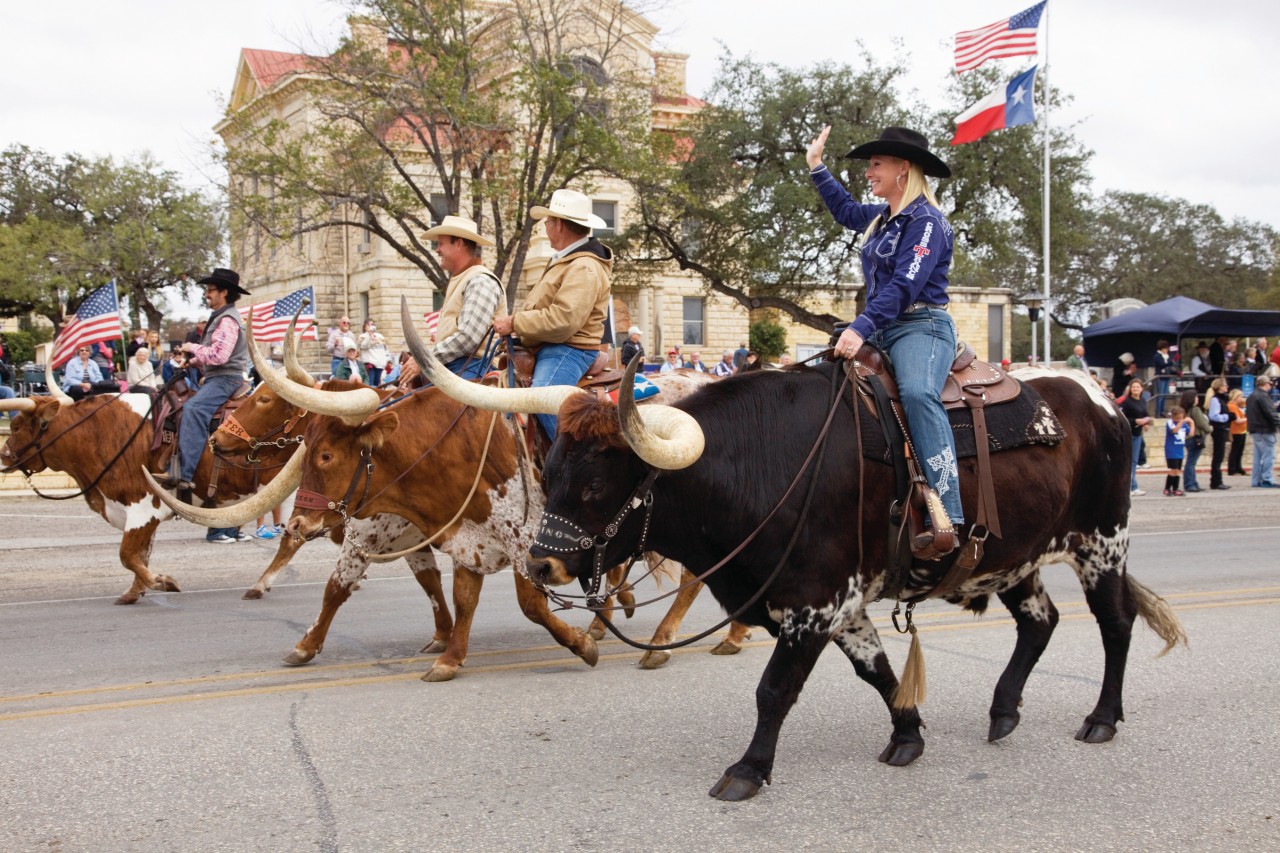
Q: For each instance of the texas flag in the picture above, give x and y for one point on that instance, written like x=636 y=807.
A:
x=1008 y=106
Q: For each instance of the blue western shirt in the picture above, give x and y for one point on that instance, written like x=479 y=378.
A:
x=906 y=259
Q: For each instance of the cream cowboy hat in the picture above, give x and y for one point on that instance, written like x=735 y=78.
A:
x=571 y=205
x=458 y=226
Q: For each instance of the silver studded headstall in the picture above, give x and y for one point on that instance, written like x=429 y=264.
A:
x=559 y=535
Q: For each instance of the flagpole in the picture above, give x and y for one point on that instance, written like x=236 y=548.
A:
x=1048 y=357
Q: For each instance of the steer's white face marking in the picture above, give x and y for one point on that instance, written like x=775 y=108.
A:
x=1091 y=388
x=132 y=516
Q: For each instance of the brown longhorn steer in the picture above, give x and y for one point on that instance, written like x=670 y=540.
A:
x=83 y=439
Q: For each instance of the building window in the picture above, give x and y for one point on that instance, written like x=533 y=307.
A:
x=364 y=309
x=437 y=299
x=608 y=211
x=694 y=311
x=439 y=208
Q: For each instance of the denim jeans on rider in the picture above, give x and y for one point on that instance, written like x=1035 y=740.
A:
x=467 y=366
x=193 y=434
x=922 y=346
x=559 y=364
x=1264 y=457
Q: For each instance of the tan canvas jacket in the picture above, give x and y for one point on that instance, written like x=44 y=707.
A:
x=571 y=301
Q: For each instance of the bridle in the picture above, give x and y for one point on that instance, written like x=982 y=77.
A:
x=564 y=536
x=23 y=458
x=232 y=426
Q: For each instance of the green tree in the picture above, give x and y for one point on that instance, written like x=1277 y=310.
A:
x=729 y=199
x=768 y=338
x=1151 y=247
x=995 y=200
x=434 y=107
x=67 y=226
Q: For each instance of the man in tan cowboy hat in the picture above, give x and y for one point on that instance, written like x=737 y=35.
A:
x=472 y=300
x=563 y=319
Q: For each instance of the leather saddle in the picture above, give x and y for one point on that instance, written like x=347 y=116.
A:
x=599 y=376
x=167 y=415
x=970 y=381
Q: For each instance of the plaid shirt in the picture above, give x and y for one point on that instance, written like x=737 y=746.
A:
x=483 y=293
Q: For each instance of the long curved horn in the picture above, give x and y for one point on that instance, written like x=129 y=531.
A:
x=351 y=406
x=55 y=390
x=18 y=404
x=664 y=436
x=530 y=401
x=270 y=496
x=292 y=368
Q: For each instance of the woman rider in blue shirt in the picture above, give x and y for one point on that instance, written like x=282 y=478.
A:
x=906 y=254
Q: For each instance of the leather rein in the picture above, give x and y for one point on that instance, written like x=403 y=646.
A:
x=560 y=535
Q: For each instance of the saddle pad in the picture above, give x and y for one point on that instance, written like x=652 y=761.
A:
x=1026 y=419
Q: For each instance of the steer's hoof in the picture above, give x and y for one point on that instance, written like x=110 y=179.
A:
x=1092 y=732
x=440 y=672
x=1002 y=726
x=628 y=601
x=596 y=632
x=733 y=789
x=252 y=594
x=589 y=653
x=654 y=660
x=164 y=583
x=726 y=648
x=129 y=598
x=434 y=647
x=298 y=657
x=901 y=754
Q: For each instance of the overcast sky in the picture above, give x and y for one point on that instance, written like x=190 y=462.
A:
x=1173 y=96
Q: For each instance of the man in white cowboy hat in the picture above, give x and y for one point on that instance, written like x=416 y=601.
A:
x=563 y=319
x=223 y=355
x=472 y=300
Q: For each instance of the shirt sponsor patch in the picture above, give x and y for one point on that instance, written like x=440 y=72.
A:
x=920 y=250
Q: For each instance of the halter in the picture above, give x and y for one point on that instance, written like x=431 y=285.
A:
x=562 y=536
x=231 y=426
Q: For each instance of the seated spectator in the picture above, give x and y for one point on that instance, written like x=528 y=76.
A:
x=724 y=367
x=695 y=362
x=82 y=377
x=140 y=375
x=350 y=367
x=672 y=363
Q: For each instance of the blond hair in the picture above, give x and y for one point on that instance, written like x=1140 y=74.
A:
x=915 y=187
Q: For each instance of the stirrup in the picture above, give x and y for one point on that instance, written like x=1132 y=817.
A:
x=935 y=544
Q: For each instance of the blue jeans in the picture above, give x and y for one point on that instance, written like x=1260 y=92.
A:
x=1189 y=467
x=1162 y=391
x=193 y=433
x=468 y=367
x=375 y=375
x=1133 y=463
x=7 y=393
x=333 y=365
x=1264 y=457
x=922 y=346
x=561 y=364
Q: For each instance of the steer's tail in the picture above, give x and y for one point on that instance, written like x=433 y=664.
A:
x=1158 y=615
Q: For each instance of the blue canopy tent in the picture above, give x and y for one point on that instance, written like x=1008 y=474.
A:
x=1174 y=320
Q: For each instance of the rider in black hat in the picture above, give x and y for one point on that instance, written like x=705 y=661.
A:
x=223 y=355
x=906 y=255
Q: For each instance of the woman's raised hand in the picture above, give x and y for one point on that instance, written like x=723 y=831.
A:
x=814 y=155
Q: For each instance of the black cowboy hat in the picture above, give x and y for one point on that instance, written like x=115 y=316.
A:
x=228 y=280
x=906 y=145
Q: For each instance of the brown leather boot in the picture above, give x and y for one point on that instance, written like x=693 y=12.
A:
x=934 y=544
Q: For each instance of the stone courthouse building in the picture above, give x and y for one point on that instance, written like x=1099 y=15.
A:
x=355 y=273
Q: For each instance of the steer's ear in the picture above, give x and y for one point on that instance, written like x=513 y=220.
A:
x=376 y=430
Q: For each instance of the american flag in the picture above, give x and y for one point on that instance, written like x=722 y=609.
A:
x=1015 y=36
x=271 y=319
x=433 y=320
x=96 y=320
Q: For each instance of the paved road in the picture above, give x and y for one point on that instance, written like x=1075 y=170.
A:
x=171 y=725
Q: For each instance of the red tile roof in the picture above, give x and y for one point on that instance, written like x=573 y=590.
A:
x=268 y=66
